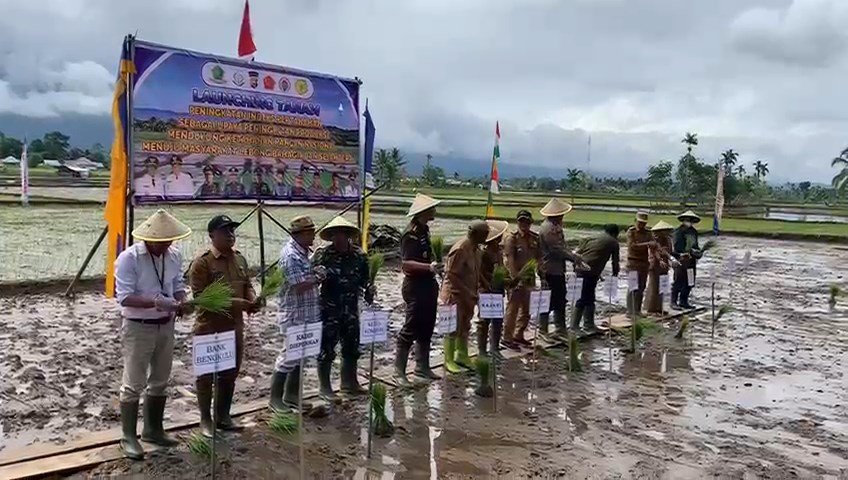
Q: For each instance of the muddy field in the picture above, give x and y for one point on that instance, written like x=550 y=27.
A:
x=766 y=398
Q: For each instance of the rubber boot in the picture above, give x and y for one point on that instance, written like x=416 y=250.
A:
x=684 y=298
x=542 y=332
x=350 y=382
x=589 y=319
x=292 y=391
x=637 y=303
x=450 y=354
x=461 y=358
x=576 y=318
x=495 y=333
x=483 y=338
x=223 y=405
x=204 y=404
x=325 y=387
x=129 y=423
x=278 y=387
x=422 y=363
x=560 y=332
x=401 y=359
x=154 y=431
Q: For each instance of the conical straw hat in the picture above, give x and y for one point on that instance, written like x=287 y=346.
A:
x=421 y=203
x=496 y=229
x=689 y=214
x=161 y=227
x=555 y=208
x=662 y=225
x=339 y=222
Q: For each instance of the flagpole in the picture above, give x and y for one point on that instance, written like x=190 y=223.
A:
x=24 y=176
x=493 y=174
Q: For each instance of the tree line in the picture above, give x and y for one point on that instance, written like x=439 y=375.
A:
x=51 y=146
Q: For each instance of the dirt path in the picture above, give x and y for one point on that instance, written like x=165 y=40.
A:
x=766 y=398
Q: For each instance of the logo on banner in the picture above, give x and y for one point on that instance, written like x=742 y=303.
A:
x=238 y=79
x=269 y=82
x=284 y=84
x=217 y=75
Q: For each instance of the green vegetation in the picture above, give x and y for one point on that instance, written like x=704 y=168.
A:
x=574 y=354
x=382 y=426
x=483 y=367
x=437 y=247
x=215 y=298
x=835 y=292
x=52 y=146
x=375 y=263
x=199 y=445
x=273 y=283
x=283 y=423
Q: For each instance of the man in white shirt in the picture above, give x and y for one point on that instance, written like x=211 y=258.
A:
x=150 y=184
x=178 y=183
x=149 y=287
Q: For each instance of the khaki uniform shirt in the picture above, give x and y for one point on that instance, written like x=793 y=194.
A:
x=554 y=249
x=637 y=255
x=232 y=268
x=462 y=275
x=597 y=251
x=519 y=249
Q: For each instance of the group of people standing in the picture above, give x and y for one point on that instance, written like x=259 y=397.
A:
x=326 y=286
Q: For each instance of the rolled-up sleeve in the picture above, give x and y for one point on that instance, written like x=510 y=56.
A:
x=125 y=277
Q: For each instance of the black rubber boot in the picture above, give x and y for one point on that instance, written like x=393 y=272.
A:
x=223 y=404
x=204 y=404
x=560 y=332
x=483 y=338
x=589 y=319
x=292 y=393
x=576 y=318
x=325 y=387
x=401 y=359
x=129 y=423
x=684 y=298
x=544 y=320
x=495 y=333
x=278 y=387
x=350 y=382
x=422 y=363
x=154 y=431
x=637 y=302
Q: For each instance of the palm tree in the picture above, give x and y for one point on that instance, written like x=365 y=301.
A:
x=388 y=166
x=840 y=181
x=728 y=159
x=691 y=140
x=574 y=175
x=740 y=171
x=760 y=169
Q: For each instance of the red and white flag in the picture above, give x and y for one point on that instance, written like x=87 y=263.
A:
x=246 y=47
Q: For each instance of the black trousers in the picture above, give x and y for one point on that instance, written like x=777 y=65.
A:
x=556 y=283
x=421 y=297
x=680 y=289
x=336 y=329
x=587 y=294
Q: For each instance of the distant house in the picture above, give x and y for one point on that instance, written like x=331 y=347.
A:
x=72 y=171
x=84 y=162
x=10 y=160
x=52 y=163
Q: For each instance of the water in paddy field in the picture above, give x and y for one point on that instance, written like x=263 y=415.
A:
x=766 y=397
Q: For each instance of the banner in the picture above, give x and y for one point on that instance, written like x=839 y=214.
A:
x=212 y=128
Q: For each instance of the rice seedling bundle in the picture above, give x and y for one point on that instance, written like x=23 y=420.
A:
x=273 y=284
x=527 y=274
x=709 y=245
x=500 y=277
x=215 y=298
x=835 y=292
x=199 y=445
x=574 y=364
x=724 y=310
x=483 y=366
x=283 y=423
x=375 y=263
x=379 y=421
x=437 y=249
x=681 y=330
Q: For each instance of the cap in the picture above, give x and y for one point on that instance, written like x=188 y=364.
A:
x=221 y=222
x=151 y=160
x=176 y=159
x=524 y=215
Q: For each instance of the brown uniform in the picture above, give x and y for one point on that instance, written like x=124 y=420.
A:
x=638 y=261
x=519 y=248
x=232 y=268
x=462 y=280
x=659 y=259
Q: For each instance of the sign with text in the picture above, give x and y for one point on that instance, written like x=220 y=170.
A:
x=665 y=284
x=540 y=302
x=573 y=288
x=446 y=319
x=303 y=341
x=215 y=352
x=491 y=305
x=373 y=326
x=611 y=289
x=632 y=281
x=206 y=127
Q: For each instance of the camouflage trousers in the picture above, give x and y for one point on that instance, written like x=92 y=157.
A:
x=339 y=328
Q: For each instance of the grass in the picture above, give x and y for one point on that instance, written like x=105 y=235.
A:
x=681 y=330
x=283 y=423
x=199 y=445
x=483 y=366
x=382 y=426
x=437 y=248
x=574 y=364
x=273 y=283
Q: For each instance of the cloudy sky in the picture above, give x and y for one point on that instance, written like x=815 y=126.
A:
x=764 y=77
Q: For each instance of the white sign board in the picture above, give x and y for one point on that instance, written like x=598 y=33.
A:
x=373 y=326
x=540 y=302
x=665 y=285
x=611 y=289
x=215 y=352
x=574 y=288
x=446 y=319
x=491 y=305
x=632 y=281
x=690 y=276
x=303 y=341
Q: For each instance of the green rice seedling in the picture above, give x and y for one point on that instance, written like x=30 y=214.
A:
x=375 y=263
x=273 y=283
x=724 y=310
x=216 y=298
x=835 y=292
x=483 y=366
x=574 y=364
x=527 y=274
x=709 y=245
x=379 y=421
x=199 y=445
x=283 y=423
x=500 y=277
x=681 y=330
x=437 y=248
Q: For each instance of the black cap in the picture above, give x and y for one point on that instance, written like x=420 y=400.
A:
x=221 y=222
x=524 y=215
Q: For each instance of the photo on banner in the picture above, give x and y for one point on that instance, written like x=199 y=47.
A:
x=211 y=128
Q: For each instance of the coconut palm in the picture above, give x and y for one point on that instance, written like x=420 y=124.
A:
x=729 y=159
x=760 y=169
x=388 y=167
x=840 y=181
x=691 y=140
x=740 y=171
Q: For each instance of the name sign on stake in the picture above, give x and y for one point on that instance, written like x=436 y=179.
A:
x=491 y=305
x=632 y=280
x=730 y=264
x=215 y=352
x=540 y=302
x=373 y=326
x=665 y=285
x=446 y=319
x=611 y=288
x=303 y=341
x=574 y=288
x=690 y=276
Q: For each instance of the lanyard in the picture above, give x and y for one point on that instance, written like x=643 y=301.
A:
x=159 y=276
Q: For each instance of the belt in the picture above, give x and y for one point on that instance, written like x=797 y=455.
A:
x=151 y=321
